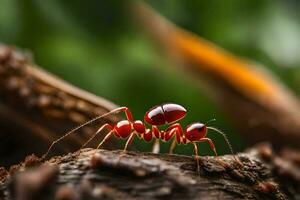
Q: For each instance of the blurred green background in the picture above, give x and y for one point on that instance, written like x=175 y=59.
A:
x=94 y=45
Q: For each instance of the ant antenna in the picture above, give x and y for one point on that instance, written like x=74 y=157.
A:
x=228 y=143
x=117 y=110
x=224 y=136
x=211 y=120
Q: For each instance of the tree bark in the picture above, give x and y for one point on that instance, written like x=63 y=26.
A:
x=37 y=107
x=102 y=174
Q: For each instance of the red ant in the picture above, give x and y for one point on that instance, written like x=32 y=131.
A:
x=165 y=114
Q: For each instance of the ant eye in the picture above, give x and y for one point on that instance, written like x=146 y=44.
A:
x=200 y=128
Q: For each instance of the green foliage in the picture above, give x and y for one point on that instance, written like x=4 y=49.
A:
x=93 y=45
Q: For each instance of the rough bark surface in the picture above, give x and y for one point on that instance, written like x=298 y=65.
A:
x=102 y=174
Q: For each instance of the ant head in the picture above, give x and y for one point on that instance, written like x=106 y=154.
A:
x=195 y=131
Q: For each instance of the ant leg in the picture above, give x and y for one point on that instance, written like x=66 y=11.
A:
x=128 y=142
x=117 y=110
x=156 y=147
x=224 y=136
x=172 y=147
x=107 y=137
x=197 y=157
x=211 y=144
x=96 y=133
x=169 y=132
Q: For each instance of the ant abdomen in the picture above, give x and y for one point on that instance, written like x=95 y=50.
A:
x=165 y=114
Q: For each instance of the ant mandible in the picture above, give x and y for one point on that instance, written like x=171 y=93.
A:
x=165 y=114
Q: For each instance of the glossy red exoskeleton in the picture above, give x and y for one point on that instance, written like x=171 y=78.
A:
x=165 y=114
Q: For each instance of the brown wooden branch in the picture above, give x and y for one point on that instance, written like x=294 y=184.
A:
x=35 y=106
x=259 y=105
x=101 y=174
